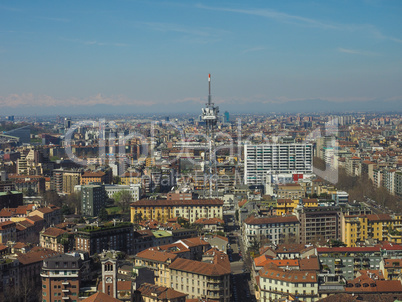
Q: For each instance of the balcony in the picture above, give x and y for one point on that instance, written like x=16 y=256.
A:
x=65 y=283
x=65 y=290
x=65 y=298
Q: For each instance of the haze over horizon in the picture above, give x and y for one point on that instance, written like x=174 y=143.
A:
x=112 y=57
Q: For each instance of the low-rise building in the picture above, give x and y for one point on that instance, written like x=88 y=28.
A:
x=275 y=229
x=276 y=283
x=162 y=210
x=199 y=279
x=155 y=293
x=96 y=238
x=8 y=232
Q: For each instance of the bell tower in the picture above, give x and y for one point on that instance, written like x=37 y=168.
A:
x=109 y=273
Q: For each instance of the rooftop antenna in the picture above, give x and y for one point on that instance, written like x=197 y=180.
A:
x=210 y=116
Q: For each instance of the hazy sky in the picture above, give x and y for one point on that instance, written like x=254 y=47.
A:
x=154 y=54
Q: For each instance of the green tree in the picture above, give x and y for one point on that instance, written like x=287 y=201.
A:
x=138 y=218
x=116 y=179
x=29 y=192
x=123 y=199
x=103 y=214
x=337 y=243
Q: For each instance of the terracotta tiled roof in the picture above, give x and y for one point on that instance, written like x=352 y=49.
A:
x=37 y=254
x=54 y=232
x=289 y=248
x=175 y=248
x=390 y=263
x=154 y=254
x=311 y=263
x=284 y=200
x=93 y=174
x=162 y=293
x=379 y=217
x=209 y=221
x=6 y=224
x=269 y=220
x=271 y=271
x=195 y=241
x=124 y=285
x=202 y=268
x=100 y=297
x=25 y=223
x=6 y=213
x=34 y=218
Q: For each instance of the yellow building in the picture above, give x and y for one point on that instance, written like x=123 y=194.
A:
x=162 y=210
x=355 y=228
x=287 y=206
x=158 y=261
x=375 y=226
x=150 y=162
x=130 y=178
x=380 y=224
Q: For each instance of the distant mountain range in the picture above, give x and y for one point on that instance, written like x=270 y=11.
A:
x=194 y=107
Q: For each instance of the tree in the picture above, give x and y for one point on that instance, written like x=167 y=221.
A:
x=29 y=192
x=123 y=199
x=102 y=215
x=73 y=201
x=51 y=197
x=138 y=217
x=116 y=179
x=337 y=243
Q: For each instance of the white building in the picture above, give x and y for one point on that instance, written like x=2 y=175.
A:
x=277 y=230
x=277 y=158
x=134 y=189
x=277 y=283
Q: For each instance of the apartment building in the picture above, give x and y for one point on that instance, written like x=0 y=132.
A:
x=278 y=283
x=319 y=224
x=162 y=210
x=207 y=279
x=347 y=261
x=96 y=238
x=158 y=261
x=93 y=199
x=61 y=278
x=279 y=158
x=275 y=229
x=8 y=232
x=154 y=293
x=56 y=239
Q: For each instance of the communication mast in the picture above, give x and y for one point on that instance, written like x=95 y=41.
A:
x=210 y=116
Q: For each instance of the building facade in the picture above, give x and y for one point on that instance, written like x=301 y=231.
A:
x=279 y=158
x=94 y=239
x=162 y=210
x=277 y=230
x=61 y=279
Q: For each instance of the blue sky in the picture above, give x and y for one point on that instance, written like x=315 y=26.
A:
x=147 y=55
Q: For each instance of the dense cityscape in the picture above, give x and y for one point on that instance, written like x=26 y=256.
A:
x=200 y=151
x=169 y=208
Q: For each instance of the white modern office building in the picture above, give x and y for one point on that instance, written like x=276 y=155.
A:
x=277 y=158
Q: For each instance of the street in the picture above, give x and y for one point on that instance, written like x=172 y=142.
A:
x=241 y=283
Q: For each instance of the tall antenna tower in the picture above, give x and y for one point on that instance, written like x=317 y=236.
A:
x=210 y=116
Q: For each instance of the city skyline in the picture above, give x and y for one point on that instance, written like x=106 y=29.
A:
x=155 y=57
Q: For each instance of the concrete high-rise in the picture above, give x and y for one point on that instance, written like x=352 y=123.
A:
x=277 y=158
